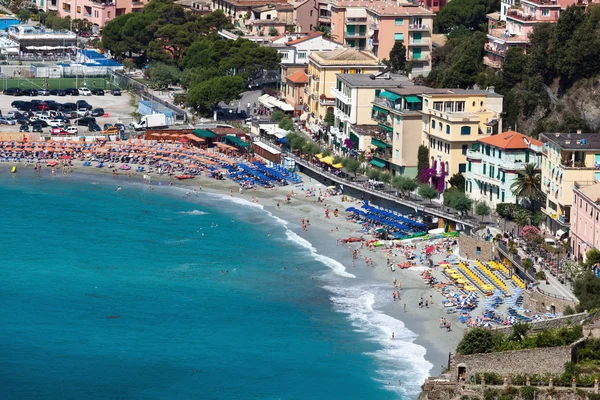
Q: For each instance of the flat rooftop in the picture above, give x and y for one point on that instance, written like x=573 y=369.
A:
x=370 y=80
x=573 y=141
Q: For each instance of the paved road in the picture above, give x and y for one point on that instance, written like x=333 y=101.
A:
x=248 y=97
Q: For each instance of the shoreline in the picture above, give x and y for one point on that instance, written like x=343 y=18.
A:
x=423 y=323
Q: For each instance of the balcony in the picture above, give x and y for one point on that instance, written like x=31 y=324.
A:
x=543 y=2
x=356 y=21
x=418 y=27
x=474 y=155
x=419 y=42
x=356 y=34
x=569 y=163
x=422 y=57
x=326 y=101
x=374 y=26
x=519 y=15
x=340 y=95
x=487 y=179
x=497 y=50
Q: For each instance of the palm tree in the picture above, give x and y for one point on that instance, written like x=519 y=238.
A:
x=326 y=31
x=528 y=185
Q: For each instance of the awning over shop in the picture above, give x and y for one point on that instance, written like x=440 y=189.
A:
x=560 y=233
x=386 y=128
x=412 y=99
x=377 y=162
x=389 y=95
x=203 y=133
x=379 y=109
x=379 y=143
x=270 y=101
x=236 y=141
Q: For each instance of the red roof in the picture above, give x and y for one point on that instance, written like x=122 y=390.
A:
x=298 y=77
x=307 y=37
x=510 y=140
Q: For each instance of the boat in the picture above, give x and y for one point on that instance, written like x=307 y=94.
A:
x=182 y=177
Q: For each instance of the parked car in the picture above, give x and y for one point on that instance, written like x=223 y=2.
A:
x=71 y=129
x=13 y=92
x=53 y=105
x=58 y=92
x=121 y=127
x=7 y=121
x=41 y=122
x=23 y=121
x=24 y=128
x=85 y=92
x=116 y=92
x=69 y=107
x=30 y=92
x=58 y=131
x=42 y=106
x=37 y=128
x=83 y=104
x=98 y=92
x=56 y=123
x=16 y=103
x=72 y=92
x=62 y=118
x=24 y=106
x=82 y=112
x=43 y=92
x=86 y=121
x=106 y=126
x=14 y=114
x=97 y=112
x=94 y=128
x=111 y=131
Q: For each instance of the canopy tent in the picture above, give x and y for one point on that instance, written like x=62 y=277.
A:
x=377 y=162
x=270 y=102
x=412 y=99
x=379 y=109
x=389 y=95
x=203 y=133
x=327 y=160
x=379 y=143
x=236 y=141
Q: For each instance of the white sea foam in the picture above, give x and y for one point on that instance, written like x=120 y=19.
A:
x=193 y=212
x=400 y=358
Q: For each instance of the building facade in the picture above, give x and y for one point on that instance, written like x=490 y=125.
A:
x=569 y=159
x=453 y=121
x=322 y=70
x=97 y=12
x=294 y=90
x=493 y=164
x=585 y=220
x=353 y=95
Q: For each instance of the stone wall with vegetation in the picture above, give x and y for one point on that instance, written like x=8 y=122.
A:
x=541 y=303
x=529 y=361
x=554 y=323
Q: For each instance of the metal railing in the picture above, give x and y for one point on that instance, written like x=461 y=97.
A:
x=556 y=296
x=407 y=203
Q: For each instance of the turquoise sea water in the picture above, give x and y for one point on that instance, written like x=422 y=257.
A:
x=120 y=295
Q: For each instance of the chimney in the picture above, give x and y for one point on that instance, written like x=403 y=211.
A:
x=491 y=89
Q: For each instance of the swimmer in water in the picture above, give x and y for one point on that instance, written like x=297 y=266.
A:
x=269 y=234
x=187 y=194
x=118 y=189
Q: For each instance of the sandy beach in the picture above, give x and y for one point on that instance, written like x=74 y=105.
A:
x=323 y=234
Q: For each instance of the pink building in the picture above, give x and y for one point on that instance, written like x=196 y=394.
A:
x=512 y=25
x=585 y=220
x=98 y=12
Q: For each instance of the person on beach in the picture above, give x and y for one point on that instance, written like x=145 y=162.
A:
x=404 y=307
x=393 y=335
x=277 y=203
x=231 y=193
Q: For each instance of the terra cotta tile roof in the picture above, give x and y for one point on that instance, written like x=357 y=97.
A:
x=298 y=77
x=510 y=140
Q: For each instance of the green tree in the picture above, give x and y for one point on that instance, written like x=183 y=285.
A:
x=467 y=14
x=205 y=96
x=592 y=257
x=325 y=30
x=373 y=173
x=273 y=31
x=329 y=118
x=385 y=177
x=162 y=75
x=462 y=203
x=277 y=116
x=482 y=209
x=458 y=181
x=352 y=166
x=478 y=340
x=512 y=67
x=428 y=192
x=459 y=62
x=422 y=163
x=405 y=184
x=287 y=124
x=587 y=291
x=398 y=57
x=528 y=186
x=24 y=15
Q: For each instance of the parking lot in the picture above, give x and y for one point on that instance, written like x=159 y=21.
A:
x=118 y=109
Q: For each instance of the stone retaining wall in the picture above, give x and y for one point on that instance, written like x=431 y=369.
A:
x=541 y=303
x=529 y=361
x=470 y=246
x=554 y=323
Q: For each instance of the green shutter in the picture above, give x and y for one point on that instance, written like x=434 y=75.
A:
x=398 y=36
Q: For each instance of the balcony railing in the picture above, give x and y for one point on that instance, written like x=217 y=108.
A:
x=356 y=20
x=521 y=16
x=356 y=34
x=474 y=154
x=374 y=26
x=422 y=57
x=387 y=103
x=494 y=50
x=325 y=101
x=339 y=94
x=492 y=63
x=419 y=42
x=418 y=27
x=570 y=164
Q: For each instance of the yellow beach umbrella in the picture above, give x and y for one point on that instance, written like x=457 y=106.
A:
x=327 y=160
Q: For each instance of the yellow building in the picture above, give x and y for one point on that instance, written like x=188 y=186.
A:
x=452 y=122
x=568 y=160
x=322 y=70
x=447 y=121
